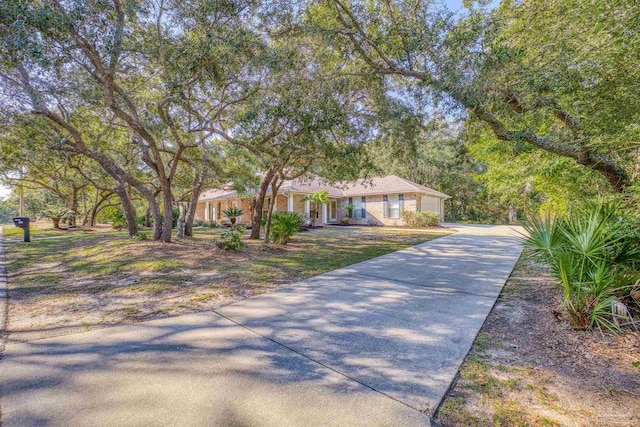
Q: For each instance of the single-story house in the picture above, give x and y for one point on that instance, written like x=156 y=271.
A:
x=377 y=201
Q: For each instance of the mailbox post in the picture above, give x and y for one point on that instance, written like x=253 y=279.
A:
x=23 y=222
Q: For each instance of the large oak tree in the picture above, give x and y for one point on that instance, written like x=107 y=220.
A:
x=558 y=75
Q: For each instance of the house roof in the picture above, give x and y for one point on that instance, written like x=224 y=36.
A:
x=389 y=184
x=310 y=185
x=216 y=193
x=225 y=192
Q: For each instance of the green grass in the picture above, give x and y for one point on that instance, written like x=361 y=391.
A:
x=106 y=273
x=109 y=254
x=482 y=341
x=479 y=378
x=204 y=298
x=319 y=251
x=44 y=229
x=454 y=412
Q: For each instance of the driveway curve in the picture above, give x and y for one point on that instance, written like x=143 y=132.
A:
x=374 y=343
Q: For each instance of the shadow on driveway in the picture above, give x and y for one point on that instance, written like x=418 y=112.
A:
x=375 y=343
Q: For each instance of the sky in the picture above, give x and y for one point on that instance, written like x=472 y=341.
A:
x=453 y=4
x=4 y=191
x=456 y=5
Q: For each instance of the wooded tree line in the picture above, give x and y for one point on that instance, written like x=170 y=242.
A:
x=143 y=104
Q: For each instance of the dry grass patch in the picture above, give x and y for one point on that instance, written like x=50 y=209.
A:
x=97 y=278
x=528 y=367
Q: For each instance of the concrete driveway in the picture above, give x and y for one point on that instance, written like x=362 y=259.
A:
x=375 y=343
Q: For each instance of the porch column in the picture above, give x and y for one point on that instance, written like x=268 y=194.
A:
x=325 y=218
x=206 y=211
x=290 y=207
x=307 y=208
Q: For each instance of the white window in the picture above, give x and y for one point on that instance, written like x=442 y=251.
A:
x=392 y=205
x=360 y=210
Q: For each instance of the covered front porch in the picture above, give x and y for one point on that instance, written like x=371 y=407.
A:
x=323 y=214
x=213 y=210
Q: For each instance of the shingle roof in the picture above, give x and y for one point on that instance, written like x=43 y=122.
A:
x=310 y=185
x=389 y=184
x=218 y=193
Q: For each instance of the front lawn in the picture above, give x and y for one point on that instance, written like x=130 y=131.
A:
x=43 y=229
x=81 y=280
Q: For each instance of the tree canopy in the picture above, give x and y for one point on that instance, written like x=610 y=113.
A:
x=143 y=104
x=492 y=66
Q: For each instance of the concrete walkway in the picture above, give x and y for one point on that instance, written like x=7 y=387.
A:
x=375 y=343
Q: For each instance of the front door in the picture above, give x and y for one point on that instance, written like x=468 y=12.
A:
x=333 y=210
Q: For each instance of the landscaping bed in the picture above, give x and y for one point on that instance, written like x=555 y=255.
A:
x=78 y=281
x=437 y=228
x=529 y=367
x=429 y=227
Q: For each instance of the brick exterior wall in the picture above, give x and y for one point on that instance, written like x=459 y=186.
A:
x=245 y=205
x=373 y=205
x=298 y=204
x=200 y=211
x=282 y=202
x=411 y=202
x=375 y=210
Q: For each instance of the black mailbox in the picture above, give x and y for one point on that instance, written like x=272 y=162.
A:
x=23 y=222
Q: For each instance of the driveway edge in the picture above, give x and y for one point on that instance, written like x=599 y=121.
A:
x=434 y=414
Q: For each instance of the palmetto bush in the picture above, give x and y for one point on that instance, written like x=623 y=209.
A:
x=231 y=238
x=233 y=212
x=284 y=225
x=57 y=214
x=595 y=253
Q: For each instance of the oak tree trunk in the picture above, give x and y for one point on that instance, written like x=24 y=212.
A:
x=147 y=217
x=127 y=207
x=157 y=218
x=513 y=214
x=91 y=218
x=275 y=186
x=74 y=207
x=256 y=219
x=167 y=224
x=198 y=183
x=181 y=220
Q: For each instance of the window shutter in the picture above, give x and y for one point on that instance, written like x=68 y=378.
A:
x=401 y=202
x=385 y=206
x=363 y=213
x=350 y=204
